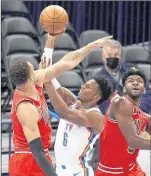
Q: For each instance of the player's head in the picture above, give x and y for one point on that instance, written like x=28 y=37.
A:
x=134 y=82
x=95 y=90
x=21 y=72
x=112 y=54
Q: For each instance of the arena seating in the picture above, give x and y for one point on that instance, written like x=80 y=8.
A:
x=92 y=62
x=22 y=40
x=60 y=42
x=19 y=25
x=90 y=36
x=14 y=8
x=135 y=54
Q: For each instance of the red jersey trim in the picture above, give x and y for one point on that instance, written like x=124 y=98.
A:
x=115 y=170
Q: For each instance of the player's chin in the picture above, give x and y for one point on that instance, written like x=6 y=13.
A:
x=136 y=94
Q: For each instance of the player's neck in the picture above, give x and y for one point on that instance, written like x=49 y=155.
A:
x=86 y=105
x=135 y=101
x=28 y=89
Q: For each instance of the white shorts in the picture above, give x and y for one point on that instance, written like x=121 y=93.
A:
x=63 y=171
x=144 y=160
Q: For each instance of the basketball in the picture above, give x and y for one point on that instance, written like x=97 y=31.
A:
x=54 y=19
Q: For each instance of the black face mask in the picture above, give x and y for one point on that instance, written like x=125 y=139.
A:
x=112 y=62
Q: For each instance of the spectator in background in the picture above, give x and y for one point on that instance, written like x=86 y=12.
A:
x=113 y=69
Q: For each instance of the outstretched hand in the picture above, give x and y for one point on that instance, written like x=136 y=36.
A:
x=44 y=64
x=103 y=41
x=54 y=37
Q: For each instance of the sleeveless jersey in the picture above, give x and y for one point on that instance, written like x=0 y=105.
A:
x=115 y=153
x=19 y=139
x=73 y=143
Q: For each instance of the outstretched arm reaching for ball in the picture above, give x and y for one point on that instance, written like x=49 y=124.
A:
x=69 y=61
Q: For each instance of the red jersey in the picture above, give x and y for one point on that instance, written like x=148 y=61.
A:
x=44 y=125
x=116 y=157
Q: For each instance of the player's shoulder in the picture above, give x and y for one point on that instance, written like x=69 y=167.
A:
x=25 y=105
x=94 y=110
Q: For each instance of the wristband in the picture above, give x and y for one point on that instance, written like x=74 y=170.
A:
x=55 y=83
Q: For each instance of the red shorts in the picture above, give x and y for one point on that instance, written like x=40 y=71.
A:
x=135 y=172
x=22 y=164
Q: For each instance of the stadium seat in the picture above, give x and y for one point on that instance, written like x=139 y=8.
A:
x=17 y=57
x=135 y=54
x=93 y=73
x=18 y=25
x=71 y=80
x=69 y=30
x=90 y=36
x=14 y=8
x=146 y=68
x=20 y=44
x=58 y=54
x=93 y=61
x=64 y=42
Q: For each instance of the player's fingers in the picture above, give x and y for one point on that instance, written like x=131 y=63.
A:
x=49 y=62
x=108 y=37
x=44 y=62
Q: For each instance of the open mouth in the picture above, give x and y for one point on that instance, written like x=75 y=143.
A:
x=135 y=88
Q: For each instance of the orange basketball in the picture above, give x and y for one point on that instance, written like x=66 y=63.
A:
x=53 y=19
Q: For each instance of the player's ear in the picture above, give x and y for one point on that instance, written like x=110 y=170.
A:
x=97 y=98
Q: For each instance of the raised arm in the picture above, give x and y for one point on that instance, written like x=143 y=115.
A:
x=70 y=60
x=93 y=119
x=28 y=116
x=122 y=112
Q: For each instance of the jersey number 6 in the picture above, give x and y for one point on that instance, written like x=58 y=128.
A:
x=65 y=139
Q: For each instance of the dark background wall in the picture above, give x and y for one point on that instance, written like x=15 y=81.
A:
x=129 y=22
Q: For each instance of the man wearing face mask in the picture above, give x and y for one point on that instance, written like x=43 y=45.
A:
x=113 y=69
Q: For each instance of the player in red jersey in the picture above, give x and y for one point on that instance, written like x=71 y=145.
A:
x=121 y=138
x=29 y=113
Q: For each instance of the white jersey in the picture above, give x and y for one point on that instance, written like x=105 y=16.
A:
x=73 y=144
x=144 y=159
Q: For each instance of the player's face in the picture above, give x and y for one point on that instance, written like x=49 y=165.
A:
x=89 y=92
x=134 y=86
x=32 y=72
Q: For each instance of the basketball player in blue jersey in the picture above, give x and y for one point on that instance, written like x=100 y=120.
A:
x=81 y=122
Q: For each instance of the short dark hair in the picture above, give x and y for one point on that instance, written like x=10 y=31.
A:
x=19 y=72
x=105 y=86
x=133 y=71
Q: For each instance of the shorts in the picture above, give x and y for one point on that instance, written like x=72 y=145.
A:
x=74 y=171
x=135 y=172
x=23 y=164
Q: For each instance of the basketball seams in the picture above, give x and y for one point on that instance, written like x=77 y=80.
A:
x=57 y=27
x=52 y=26
x=53 y=19
x=53 y=22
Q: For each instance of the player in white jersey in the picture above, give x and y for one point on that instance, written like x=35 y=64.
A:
x=144 y=157
x=79 y=126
